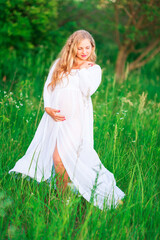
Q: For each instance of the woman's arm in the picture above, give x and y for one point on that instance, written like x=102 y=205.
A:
x=47 y=95
x=90 y=79
x=47 y=90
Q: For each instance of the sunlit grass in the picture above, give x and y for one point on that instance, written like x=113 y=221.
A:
x=126 y=138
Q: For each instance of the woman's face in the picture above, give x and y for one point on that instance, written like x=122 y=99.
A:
x=84 y=49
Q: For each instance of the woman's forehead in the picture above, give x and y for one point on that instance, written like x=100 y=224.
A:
x=84 y=43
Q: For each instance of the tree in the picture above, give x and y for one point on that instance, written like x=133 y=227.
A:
x=137 y=34
x=133 y=25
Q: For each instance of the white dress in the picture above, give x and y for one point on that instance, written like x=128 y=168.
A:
x=74 y=138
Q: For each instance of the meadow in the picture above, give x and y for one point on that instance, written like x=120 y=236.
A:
x=126 y=138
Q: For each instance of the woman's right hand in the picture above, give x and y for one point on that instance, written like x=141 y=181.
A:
x=53 y=113
x=86 y=64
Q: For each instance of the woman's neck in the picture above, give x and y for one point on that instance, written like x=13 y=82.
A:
x=78 y=63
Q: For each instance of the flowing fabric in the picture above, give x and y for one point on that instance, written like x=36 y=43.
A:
x=74 y=138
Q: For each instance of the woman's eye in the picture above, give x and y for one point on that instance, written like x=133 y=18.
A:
x=81 y=48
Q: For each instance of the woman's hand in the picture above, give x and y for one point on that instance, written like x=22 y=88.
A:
x=53 y=113
x=86 y=64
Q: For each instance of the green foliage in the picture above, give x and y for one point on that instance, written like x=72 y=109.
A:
x=33 y=25
x=25 y=24
x=140 y=20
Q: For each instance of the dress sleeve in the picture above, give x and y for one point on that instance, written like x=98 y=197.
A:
x=47 y=91
x=89 y=79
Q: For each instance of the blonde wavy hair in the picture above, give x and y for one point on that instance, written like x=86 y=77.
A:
x=67 y=56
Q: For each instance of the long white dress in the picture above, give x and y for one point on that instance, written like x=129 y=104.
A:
x=74 y=138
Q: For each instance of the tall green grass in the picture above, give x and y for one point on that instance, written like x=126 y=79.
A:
x=126 y=138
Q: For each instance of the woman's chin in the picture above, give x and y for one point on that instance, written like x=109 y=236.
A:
x=83 y=58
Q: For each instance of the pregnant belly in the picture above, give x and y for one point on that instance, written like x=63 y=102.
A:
x=69 y=102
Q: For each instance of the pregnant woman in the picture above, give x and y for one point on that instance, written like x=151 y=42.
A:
x=64 y=138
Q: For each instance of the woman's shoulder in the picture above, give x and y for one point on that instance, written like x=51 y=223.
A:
x=54 y=63
x=95 y=67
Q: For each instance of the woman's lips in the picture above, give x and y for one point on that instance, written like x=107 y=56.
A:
x=84 y=55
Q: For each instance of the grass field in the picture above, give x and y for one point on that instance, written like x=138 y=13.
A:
x=126 y=138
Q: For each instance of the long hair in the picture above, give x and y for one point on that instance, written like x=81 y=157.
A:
x=67 y=56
